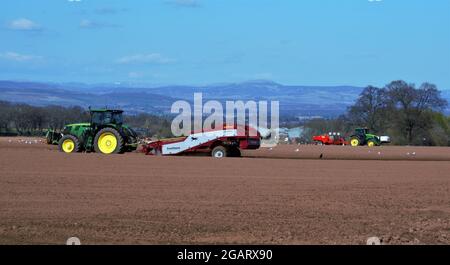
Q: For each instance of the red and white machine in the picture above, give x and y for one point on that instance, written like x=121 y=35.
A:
x=218 y=143
x=331 y=138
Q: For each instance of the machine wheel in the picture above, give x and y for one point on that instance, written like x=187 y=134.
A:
x=371 y=143
x=69 y=144
x=108 y=141
x=219 y=152
x=234 y=152
x=156 y=152
x=355 y=141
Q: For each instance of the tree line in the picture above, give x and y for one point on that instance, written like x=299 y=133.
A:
x=410 y=115
x=26 y=120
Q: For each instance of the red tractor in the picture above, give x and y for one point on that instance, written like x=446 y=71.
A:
x=331 y=138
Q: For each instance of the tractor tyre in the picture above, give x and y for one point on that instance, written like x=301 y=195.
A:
x=234 y=152
x=219 y=152
x=69 y=144
x=371 y=143
x=108 y=141
x=355 y=141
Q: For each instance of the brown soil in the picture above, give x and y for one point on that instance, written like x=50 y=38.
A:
x=407 y=153
x=47 y=196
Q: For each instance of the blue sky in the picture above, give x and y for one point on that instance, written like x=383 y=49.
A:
x=303 y=42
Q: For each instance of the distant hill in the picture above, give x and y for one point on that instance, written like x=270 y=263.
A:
x=294 y=100
x=42 y=94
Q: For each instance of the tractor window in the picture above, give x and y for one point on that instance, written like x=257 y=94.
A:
x=361 y=131
x=97 y=117
x=106 y=118
x=117 y=118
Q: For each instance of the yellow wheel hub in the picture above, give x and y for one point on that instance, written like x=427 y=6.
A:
x=107 y=143
x=371 y=144
x=68 y=146
x=354 y=142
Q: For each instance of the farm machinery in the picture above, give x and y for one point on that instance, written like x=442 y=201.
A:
x=226 y=142
x=331 y=138
x=362 y=137
x=105 y=133
x=53 y=137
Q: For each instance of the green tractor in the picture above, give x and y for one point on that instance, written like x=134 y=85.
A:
x=105 y=133
x=363 y=137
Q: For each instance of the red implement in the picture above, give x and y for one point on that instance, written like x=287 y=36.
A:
x=330 y=139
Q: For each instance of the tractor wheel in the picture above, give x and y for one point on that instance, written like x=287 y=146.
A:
x=69 y=144
x=355 y=141
x=234 y=152
x=371 y=143
x=219 y=152
x=108 y=141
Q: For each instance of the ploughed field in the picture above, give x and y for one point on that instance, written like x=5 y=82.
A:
x=285 y=195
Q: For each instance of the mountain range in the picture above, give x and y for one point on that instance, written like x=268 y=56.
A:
x=325 y=101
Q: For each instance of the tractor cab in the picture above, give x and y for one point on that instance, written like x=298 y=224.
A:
x=105 y=117
x=361 y=132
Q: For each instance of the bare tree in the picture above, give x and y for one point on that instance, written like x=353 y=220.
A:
x=370 y=109
x=412 y=108
x=5 y=116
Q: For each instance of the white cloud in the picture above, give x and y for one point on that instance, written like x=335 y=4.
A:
x=184 y=3
x=89 y=24
x=86 y=23
x=23 y=24
x=150 y=58
x=17 y=57
x=110 y=10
